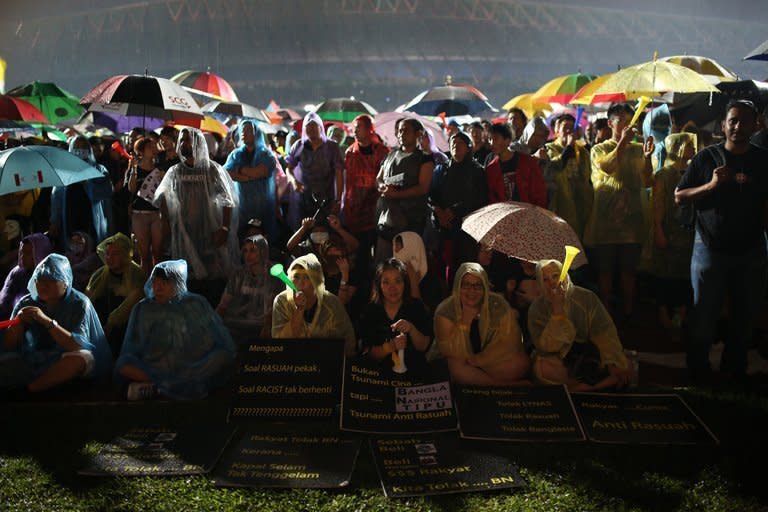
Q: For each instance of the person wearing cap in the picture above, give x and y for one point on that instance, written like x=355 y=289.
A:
x=60 y=338
x=728 y=187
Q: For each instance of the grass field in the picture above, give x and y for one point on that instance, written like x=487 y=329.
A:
x=42 y=445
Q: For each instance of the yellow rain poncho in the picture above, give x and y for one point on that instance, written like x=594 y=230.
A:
x=586 y=321
x=131 y=284
x=330 y=319
x=617 y=212
x=570 y=189
x=500 y=334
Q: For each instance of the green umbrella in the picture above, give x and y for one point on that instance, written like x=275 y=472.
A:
x=56 y=103
x=343 y=109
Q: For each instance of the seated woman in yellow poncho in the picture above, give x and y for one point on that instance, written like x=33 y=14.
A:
x=311 y=312
x=575 y=339
x=478 y=334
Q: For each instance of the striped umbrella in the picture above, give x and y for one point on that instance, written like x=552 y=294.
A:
x=17 y=109
x=206 y=83
x=586 y=95
x=53 y=101
x=562 y=88
x=343 y=109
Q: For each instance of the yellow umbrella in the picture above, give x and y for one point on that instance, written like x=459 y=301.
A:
x=526 y=103
x=207 y=124
x=562 y=88
x=653 y=79
x=708 y=68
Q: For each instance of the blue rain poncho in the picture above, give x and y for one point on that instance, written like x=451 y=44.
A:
x=658 y=124
x=182 y=345
x=195 y=198
x=74 y=312
x=258 y=197
x=99 y=192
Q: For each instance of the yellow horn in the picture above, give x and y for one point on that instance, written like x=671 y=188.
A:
x=642 y=102
x=570 y=254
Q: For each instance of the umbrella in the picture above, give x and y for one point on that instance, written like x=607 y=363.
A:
x=527 y=104
x=17 y=109
x=453 y=100
x=708 y=68
x=562 y=88
x=282 y=116
x=343 y=109
x=759 y=53
x=30 y=167
x=586 y=95
x=233 y=108
x=117 y=123
x=384 y=124
x=207 y=84
x=653 y=79
x=141 y=95
x=523 y=231
x=53 y=101
x=206 y=124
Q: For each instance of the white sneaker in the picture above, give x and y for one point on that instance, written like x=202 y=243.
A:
x=141 y=390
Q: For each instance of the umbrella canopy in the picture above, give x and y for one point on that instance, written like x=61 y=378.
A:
x=139 y=95
x=759 y=53
x=523 y=231
x=206 y=124
x=586 y=95
x=708 y=68
x=17 y=109
x=53 y=101
x=233 y=108
x=30 y=167
x=384 y=124
x=343 y=109
x=117 y=123
x=527 y=104
x=562 y=88
x=653 y=79
x=453 y=100
x=207 y=84
x=282 y=116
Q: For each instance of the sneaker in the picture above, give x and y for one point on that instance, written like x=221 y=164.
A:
x=141 y=391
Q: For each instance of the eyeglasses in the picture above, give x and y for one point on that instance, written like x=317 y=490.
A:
x=478 y=287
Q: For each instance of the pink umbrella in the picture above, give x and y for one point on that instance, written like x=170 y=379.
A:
x=384 y=124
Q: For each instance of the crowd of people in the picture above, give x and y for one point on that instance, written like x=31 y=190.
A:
x=148 y=277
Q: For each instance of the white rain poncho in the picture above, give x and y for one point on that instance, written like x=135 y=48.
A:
x=585 y=321
x=195 y=198
x=182 y=345
x=330 y=320
x=74 y=312
x=500 y=336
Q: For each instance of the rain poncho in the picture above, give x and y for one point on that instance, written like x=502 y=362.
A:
x=250 y=295
x=585 y=320
x=73 y=312
x=567 y=173
x=131 y=284
x=617 y=212
x=412 y=252
x=15 y=286
x=82 y=259
x=195 y=198
x=99 y=192
x=330 y=319
x=658 y=124
x=674 y=262
x=258 y=197
x=182 y=345
x=500 y=335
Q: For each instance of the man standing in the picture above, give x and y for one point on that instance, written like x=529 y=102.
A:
x=480 y=147
x=621 y=170
x=728 y=186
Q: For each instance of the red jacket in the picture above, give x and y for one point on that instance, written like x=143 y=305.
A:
x=529 y=181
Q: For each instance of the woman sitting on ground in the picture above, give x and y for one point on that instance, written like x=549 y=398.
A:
x=394 y=321
x=311 y=312
x=59 y=338
x=575 y=339
x=175 y=343
x=477 y=332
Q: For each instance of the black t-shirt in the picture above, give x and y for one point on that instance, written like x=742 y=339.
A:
x=79 y=210
x=375 y=329
x=730 y=219
x=481 y=155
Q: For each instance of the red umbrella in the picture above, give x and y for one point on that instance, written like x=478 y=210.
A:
x=206 y=83
x=16 y=109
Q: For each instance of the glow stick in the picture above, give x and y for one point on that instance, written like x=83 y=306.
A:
x=570 y=254
x=278 y=272
x=10 y=323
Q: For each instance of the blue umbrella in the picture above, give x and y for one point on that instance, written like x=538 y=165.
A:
x=30 y=167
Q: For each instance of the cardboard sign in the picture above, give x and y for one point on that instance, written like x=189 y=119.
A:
x=443 y=464
x=539 y=413
x=640 y=419
x=377 y=400
x=283 y=458
x=161 y=451
x=287 y=378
